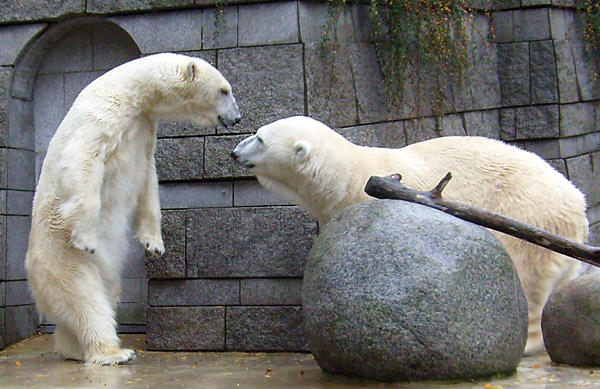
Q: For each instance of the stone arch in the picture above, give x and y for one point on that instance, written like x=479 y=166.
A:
x=49 y=73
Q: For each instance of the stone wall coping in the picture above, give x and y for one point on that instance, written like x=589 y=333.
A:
x=30 y=11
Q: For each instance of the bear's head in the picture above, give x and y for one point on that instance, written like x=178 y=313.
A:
x=200 y=94
x=279 y=150
x=292 y=157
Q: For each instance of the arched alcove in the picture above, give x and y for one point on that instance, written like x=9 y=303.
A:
x=49 y=74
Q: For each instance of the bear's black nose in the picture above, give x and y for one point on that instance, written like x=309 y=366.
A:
x=234 y=155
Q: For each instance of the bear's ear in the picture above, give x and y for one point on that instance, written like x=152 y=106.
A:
x=302 y=149
x=192 y=70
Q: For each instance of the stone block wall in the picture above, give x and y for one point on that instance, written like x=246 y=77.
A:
x=232 y=274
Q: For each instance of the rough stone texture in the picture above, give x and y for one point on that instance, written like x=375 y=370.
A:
x=531 y=122
x=390 y=135
x=267 y=82
x=579 y=145
x=531 y=24
x=3 y=259
x=396 y=291
x=2 y=202
x=14 y=38
x=20 y=322
x=218 y=162
x=268 y=24
x=172 y=264
x=513 y=72
x=18 y=202
x=17 y=236
x=571 y=322
x=164 y=31
x=185 y=328
x=249 y=193
x=481 y=89
x=584 y=171
x=248 y=242
x=373 y=104
x=21 y=172
x=504 y=27
x=131 y=317
x=452 y=125
x=484 y=123
x=276 y=291
x=176 y=129
x=17 y=293
x=545 y=148
x=5 y=78
x=219 y=28
x=567 y=73
x=194 y=292
x=180 y=158
x=111 y=6
x=578 y=119
x=3 y=168
x=566 y=24
x=330 y=90
x=27 y=10
x=3 y=343
x=419 y=130
x=265 y=329
x=196 y=195
x=544 y=78
x=317 y=23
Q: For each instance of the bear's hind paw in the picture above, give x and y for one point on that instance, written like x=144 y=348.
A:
x=118 y=357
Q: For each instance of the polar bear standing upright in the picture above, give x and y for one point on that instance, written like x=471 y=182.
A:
x=98 y=174
x=311 y=165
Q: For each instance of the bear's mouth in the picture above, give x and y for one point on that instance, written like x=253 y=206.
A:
x=225 y=122
x=243 y=163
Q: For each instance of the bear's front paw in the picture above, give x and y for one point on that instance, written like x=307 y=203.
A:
x=84 y=241
x=154 y=247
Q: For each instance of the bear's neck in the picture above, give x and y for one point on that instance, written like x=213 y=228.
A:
x=336 y=184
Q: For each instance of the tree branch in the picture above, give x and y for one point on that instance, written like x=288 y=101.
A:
x=390 y=188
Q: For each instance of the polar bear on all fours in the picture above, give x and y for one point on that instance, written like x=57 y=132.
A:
x=311 y=165
x=98 y=174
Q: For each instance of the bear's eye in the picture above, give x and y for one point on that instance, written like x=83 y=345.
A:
x=224 y=91
x=259 y=139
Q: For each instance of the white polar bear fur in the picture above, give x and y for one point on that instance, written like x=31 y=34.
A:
x=311 y=165
x=99 y=172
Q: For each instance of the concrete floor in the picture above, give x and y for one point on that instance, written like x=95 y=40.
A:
x=32 y=363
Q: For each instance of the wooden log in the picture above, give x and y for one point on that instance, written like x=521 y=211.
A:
x=390 y=188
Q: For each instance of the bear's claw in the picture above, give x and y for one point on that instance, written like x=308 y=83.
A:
x=84 y=242
x=156 y=250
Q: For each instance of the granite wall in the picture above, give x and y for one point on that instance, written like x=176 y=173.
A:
x=232 y=274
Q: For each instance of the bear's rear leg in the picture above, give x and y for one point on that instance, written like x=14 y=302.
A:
x=89 y=315
x=98 y=335
x=66 y=343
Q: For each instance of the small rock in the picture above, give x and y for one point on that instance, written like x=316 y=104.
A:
x=571 y=322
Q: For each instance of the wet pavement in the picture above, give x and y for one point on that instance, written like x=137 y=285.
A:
x=32 y=363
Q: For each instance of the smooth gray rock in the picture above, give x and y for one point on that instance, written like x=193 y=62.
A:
x=571 y=322
x=396 y=291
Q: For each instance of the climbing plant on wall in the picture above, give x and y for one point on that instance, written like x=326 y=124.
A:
x=591 y=31
x=426 y=41
x=423 y=46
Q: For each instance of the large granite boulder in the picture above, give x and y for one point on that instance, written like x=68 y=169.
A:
x=571 y=322
x=396 y=291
